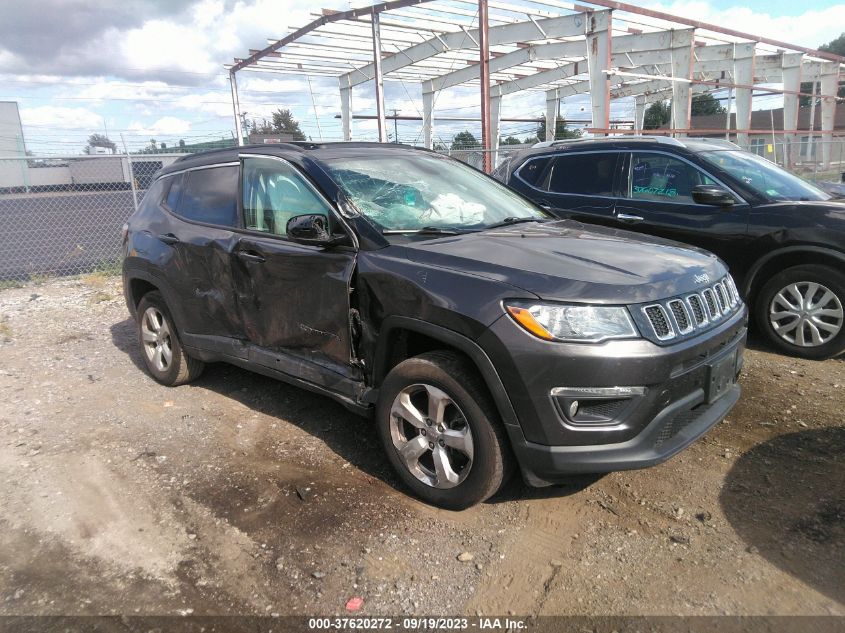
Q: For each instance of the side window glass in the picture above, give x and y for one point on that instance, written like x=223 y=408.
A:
x=154 y=194
x=663 y=178
x=211 y=196
x=174 y=191
x=273 y=193
x=532 y=171
x=585 y=174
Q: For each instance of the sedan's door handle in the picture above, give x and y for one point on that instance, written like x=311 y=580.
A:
x=544 y=205
x=627 y=217
x=251 y=256
x=169 y=238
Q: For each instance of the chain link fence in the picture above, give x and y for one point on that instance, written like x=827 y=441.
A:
x=475 y=155
x=63 y=216
x=811 y=158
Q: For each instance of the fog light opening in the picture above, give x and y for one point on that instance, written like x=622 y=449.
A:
x=596 y=407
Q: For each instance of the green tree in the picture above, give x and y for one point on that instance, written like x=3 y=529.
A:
x=465 y=140
x=561 y=131
x=835 y=46
x=284 y=123
x=261 y=128
x=510 y=140
x=657 y=115
x=100 y=140
x=706 y=103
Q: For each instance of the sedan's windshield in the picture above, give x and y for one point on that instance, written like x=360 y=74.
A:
x=764 y=177
x=418 y=192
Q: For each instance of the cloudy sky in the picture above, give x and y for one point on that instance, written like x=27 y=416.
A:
x=154 y=68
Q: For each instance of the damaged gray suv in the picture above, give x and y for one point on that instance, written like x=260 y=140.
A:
x=481 y=333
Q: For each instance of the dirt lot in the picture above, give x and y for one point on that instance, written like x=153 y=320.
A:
x=241 y=495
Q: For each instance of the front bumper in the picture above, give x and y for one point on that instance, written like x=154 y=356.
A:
x=674 y=428
x=679 y=404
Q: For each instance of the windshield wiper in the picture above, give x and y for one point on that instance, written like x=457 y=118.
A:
x=515 y=220
x=426 y=230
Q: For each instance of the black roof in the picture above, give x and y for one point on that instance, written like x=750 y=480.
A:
x=317 y=150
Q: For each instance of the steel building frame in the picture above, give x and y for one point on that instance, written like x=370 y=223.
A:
x=604 y=49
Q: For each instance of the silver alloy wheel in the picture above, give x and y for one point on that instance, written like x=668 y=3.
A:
x=155 y=333
x=806 y=314
x=432 y=436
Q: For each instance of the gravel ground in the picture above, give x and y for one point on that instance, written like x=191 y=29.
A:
x=241 y=495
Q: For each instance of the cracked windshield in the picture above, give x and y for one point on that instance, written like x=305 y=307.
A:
x=425 y=193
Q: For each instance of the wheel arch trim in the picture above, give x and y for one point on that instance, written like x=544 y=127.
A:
x=751 y=277
x=132 y=274
x=460 y=342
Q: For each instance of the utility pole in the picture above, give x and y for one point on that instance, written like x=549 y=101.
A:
x=106 y=128
x=314 y=105
x=236 y=108
x=395 y=125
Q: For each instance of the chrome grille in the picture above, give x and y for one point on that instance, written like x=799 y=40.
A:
x=681 y=316
x=710 y=300
x=721 y=300
x=731 y=286
x=697 y=307
x=659 y=321
x=722 y=294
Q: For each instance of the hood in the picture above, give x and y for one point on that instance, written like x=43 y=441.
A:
x=566 y=261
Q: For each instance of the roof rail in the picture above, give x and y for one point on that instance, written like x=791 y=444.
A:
x=668 y=140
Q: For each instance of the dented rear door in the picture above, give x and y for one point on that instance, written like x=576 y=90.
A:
x=201 y=234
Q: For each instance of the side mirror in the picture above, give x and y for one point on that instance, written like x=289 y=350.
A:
x=312 y=229
x=713 y=195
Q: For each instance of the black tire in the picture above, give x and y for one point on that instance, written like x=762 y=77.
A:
x=826 y=276
x=491 y=462
x=181 y=368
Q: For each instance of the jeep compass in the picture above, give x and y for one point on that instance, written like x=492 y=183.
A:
x=480 y=332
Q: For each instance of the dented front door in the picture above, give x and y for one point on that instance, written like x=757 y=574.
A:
x=294 y=299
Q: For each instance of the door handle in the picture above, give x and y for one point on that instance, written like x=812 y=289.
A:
x=251 y=256
x=544 y=205
x=627 y=217
x=169 y=238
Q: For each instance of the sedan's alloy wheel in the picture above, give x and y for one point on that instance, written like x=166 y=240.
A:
x=432 y=435
x=806 y=314
x=155 y=332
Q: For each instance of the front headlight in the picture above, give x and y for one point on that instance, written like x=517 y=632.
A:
x=583 y=324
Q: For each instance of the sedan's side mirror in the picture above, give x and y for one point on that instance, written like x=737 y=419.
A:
x=312 y=229
x=713 y=195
